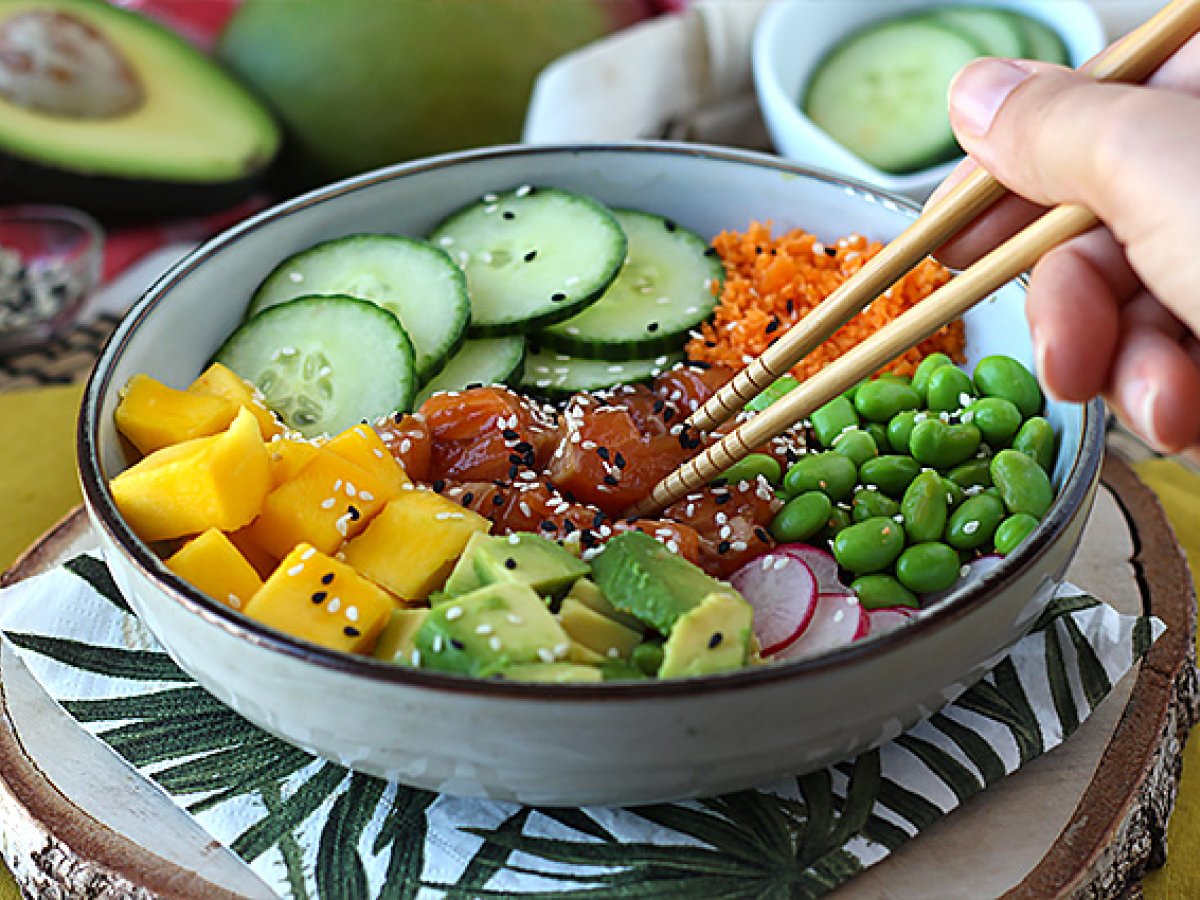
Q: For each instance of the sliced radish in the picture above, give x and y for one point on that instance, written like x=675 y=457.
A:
x=822 y=564
x=839 y=620
x=783 y=592
x=975 y=570
x=887 y=618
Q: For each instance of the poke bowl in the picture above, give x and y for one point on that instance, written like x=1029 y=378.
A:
x=477 y=729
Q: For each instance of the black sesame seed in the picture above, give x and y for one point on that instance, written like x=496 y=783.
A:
x=439 y=486
x=602 y=452
x=619 y=460
x=513 y=470
x=353 y=512
x=710 y=345
x=700 y=364
x=568 y=526
x=319 y=597
x=351 y=631
x=723 y=547
x=531 y=256
x=715 y=641
x=658 y=406
x=772 y=326
x=510 y=563
x=758 y=251
x=653 y=326
x=668 y=414
x=327 y=578
x=457 y=644
x=547 y=525
x=497 y=500
x=791 y=307
x=558 y=296
x=523 y=447
x=710 y=251
x=610 y=480
x=467 y=498
x=722 y=499
x=669 y=225
x=762 y=535
x=598 y=520
x=829 y=251
x=509 y=214
x=509 y=435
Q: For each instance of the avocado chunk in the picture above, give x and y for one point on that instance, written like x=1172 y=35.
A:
x=395 y=642
x=552 y=673
x=490 y=629
x=640 y=576
x=712 y=637
x=598 y=633
x=129 y=122
x=463 y=579
x=524 y=558
x=586 y=592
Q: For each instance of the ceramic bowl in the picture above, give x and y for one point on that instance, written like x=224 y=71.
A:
x=615 y=743
x=793 y=37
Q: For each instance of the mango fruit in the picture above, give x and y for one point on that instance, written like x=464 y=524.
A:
x=151 y=415
x=221 y=381
x=216 y=566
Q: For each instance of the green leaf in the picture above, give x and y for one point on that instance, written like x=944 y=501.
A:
x=1060 y=687
x=993 y=702
x=863 y=790
x=266 y=833
x=761 y=815
x=1063 y=606
x=96 y=574
x=405 y=829
x=976 y=749
x=492 y=856
x=167 y=703
x=961 y=780
x=143 y=743
x=578 y=820
x=289 y=847
x=274 y=766
x=706 y=827
x=881 y=831
x=341 y=874
x=1092 y=676
x=115 y=662
x=817 y=790
x=908 y=804
x=1143 y=637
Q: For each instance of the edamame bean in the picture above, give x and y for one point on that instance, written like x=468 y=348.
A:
x=882 y=591
x=1003 y=376
x=879 y=432
x=899 y=430
x=892 y=474
x=927 y=366
x=996 y=418
x=1013 y=531
x=1036 y=439
x=773 y=392
x=894 y=376
x=869 y=546
x=872 y=504
x=925 y=508
x=748 y=468
x=839 y=519
x=831 y=473
x=832 y=419
x=857 y=445
x=851 y=392
x=974 y=473
x=974 y=523
x=949 y=389
x=954 y=493
x=801 y=517
x=879 y=400
x=928 y=567
x=1024 y=485
x=934 y=443
x=647 y=657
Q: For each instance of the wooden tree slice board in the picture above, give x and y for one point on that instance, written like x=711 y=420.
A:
x=1085 y=820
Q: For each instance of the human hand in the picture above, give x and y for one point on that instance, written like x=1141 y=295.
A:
x=1115 y=311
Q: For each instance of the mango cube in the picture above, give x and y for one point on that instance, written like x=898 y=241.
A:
x=328 y=501
x=412 y=545
x=221 y=381
x=212 y=563
x=209 y=482
x=361 y=445
x=287 y=456
x=262 y=561
x=316 y=598
x=152 y=415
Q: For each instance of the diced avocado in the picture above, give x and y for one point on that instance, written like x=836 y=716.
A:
x=395 y=643
x=610 y=639
x=713 y=637
x=526 y=558
x=487 y=630
x=462 y=578
x=639 y=575
x=586 y=592
x=578 y=653
x=553 y=673
x=648 y=657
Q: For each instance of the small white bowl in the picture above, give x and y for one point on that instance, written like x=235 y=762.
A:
x=794 y=36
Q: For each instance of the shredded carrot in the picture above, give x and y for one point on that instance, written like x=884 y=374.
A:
x=772 y=283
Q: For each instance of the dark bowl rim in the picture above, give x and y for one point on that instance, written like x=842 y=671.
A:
x=1081 y=478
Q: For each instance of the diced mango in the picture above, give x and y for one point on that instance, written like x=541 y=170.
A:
x=221 y=381
x=212 y=563
x=413 y=544
x=395 y=643
x=328 y=501
x=262 y=561
x=316 y=598
x=287 y=456
x=210 y=482
x=363 y=447
x=596 y=632
x=152 y=415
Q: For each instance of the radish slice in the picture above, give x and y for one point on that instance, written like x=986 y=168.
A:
x=976 y=569
x=886 y=618
x=839 y=620
x=783 y=592
x=822 y=564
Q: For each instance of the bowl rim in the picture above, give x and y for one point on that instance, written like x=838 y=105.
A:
x=102 y=510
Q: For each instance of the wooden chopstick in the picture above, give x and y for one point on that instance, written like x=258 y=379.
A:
x=1131 y=59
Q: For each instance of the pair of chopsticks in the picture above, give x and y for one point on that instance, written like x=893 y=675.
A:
x=1131 y=60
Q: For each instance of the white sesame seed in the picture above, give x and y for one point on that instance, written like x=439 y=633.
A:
x=561 y=650
x=296 y=569
x=438 y=644
x=235 y=601
x=523 y=190
x=495 y=643
x=484 y=628
x=515 y=539
x=964 y=571
x=514 y=619
x=295 y=277
x=352 y=613
x=308 y=554
x=454 y=612
x=739 y=546
x=416 y=657
x=613 y=653
x=545 y=654
x=334 y=605
x=351 y=490
x=970 y=527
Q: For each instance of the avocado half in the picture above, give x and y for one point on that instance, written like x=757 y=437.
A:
x=107 y=111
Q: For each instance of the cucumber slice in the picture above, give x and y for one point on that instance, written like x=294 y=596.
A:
x=482 y=361
x=664 y=289
x=997 y=32
x=882 y=93
x=1044 y=42
x=325 y=363
x=553 y=374
x=411 y=279
x=533 y=257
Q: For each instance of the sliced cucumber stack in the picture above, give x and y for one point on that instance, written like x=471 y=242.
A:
x=554 y=374
x=324 y=363
x=411 y=279
x=532 y=257
x=665 y=289
x=481 y=361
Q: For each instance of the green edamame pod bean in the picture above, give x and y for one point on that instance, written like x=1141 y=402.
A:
x=749 y=467
x=839 y=518
x=899 y=430
x=974 y=473
x=882 y=591
x=869 y=546
x=773 y=392
x=872 y=504
x=997 y=420
x=928 y=567
x=857 y=445
x=975 y=521
x=924 y=508
x=647 y=657
x=1003 y=376
x=1013 y=531
x=892 y=474
x=934 y=443
x=879 y=400
x=954 y=493
x=831 y=473
x=927 y=366
x=832 y=419
x=801 y=517
x=879 y=432
x=851 y=392
x=1036 y=438
x=1024 y=485
x=949 y=389
x=894 y=376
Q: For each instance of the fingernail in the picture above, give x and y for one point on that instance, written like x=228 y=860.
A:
x=980 y=89
x=1040 y=350
x=1139 y=397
